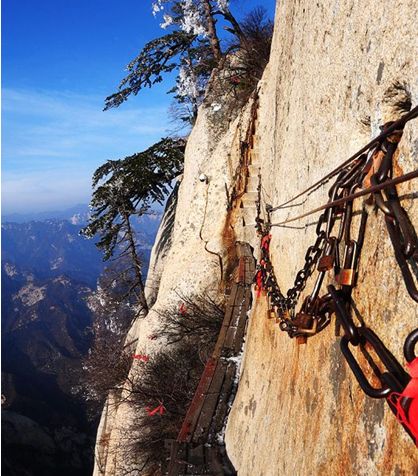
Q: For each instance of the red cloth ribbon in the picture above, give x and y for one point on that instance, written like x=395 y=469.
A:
x=408 y=418
x=182 y=309
x=160 y=410
x=142 y=357
x=265 y=242
x=261 y=273
x=259 y=282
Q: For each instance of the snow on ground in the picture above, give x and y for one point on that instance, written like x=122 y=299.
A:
x=10 y=270
x=30 y=294
x=55 y=264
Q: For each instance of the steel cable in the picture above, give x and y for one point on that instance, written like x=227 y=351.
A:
x=349 y=198
x=412 y=114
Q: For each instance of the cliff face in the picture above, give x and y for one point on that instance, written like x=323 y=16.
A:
x=337 y=72
x=330 y=83
x=192 y=253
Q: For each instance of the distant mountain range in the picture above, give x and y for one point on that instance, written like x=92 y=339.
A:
x=48 y=271
x=49 y=249
x=78 y=214
x=53 y=246
x=44 y=336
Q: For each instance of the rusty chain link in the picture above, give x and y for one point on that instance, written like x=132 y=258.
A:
x=373 y=167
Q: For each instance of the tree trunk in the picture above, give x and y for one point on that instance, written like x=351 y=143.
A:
x=137 y=264
x=213 y=37
x=235 y=26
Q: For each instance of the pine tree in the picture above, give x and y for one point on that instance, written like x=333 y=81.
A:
x=126 y=188
x=192 y=47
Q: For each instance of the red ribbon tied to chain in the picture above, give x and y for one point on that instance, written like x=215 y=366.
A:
x=265 y=242
x=259 y=277
x=259 y=282
x=160 y=410
x=142 y=357
x=408 y=418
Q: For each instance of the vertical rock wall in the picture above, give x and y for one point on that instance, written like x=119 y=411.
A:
x=337 y=71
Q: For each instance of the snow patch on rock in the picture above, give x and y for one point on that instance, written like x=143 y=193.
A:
x=10 y=269
x=79 y=218
x=62 y=280
x=30 y=294
x=55 y=264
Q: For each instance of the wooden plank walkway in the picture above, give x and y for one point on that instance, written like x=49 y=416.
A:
x=198 y=450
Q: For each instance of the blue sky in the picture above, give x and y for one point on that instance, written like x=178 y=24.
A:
x=60 y=59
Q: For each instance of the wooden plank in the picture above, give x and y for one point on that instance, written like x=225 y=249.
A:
x=239 y=301
x=195 y=407
x=239 y=337
x=244 y=273
x=240 y=332
x=246 y=300
x=231 y=298
x=236 y=317
x=241 y=270
x=222 y=408
x=178 y=456
x=240 y=312
x=221 y=342
x=236 y=334
x=209 y=407
x=211 y=400
x=240 y=249
x=250 y=277
x=230 y=338
x=238 y=294
x=229 y=312
x=201 y=432
x=243 y=249
x=249 y=271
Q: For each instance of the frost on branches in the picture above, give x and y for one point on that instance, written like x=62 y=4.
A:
x=223 y=5
x=193 y=18
x=194 y=47
x=157 y=7
x=187 y=15
x=168 y=20
x=187 y=83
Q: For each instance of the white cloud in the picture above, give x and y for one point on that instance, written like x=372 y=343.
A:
x=53 y=141
x=46 y=190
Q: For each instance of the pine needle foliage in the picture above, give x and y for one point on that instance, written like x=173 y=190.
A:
x=244 y=66
x=258 y=31
x=196 y=46
x=156 y=58
x=128 y=187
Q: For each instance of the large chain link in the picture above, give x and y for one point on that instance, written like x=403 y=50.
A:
x=374 y=168
x=324 y=254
